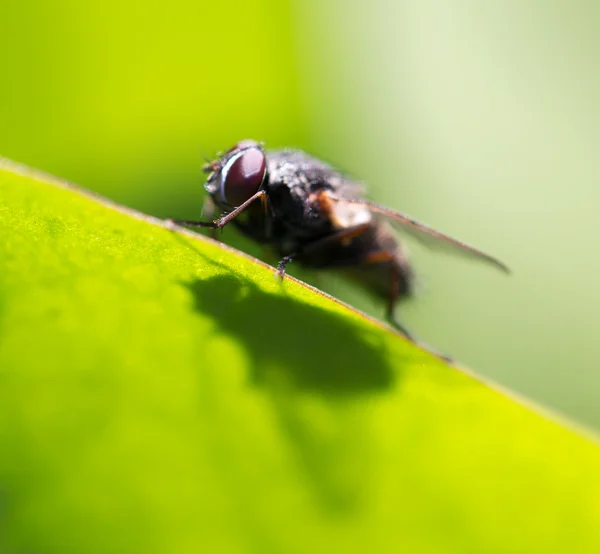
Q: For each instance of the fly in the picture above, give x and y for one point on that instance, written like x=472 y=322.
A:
x=312 y=214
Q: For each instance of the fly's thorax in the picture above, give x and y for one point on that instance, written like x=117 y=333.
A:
x=299 y=210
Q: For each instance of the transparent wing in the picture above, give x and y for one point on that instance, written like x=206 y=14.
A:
x=425 y=234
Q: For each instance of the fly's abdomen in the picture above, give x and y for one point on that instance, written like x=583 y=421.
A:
x=374 y=258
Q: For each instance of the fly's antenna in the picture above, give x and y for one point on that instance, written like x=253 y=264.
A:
x=210 y=165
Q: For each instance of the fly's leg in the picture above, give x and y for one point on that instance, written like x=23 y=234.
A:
x=394 y=297
x=227 y=218
x=312 y=248
x=393 y=301
x=379 y=256
x=282 y=265
x=383 y=256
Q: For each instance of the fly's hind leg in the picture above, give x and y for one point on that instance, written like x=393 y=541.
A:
x=397 y=278
x=395 y=285
x=391 y=317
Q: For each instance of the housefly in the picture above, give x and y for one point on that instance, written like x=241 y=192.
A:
x=312 y=214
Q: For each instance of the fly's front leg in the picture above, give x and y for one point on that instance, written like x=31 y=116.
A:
x=227 y=218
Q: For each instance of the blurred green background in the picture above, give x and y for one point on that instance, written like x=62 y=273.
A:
x=481 y=119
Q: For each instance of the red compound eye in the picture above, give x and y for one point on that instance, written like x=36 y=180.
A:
x=244 y=175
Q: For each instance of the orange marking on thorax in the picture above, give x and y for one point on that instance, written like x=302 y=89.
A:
x=322 y=200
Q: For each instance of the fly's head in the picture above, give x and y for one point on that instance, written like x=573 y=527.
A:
x=237 y=175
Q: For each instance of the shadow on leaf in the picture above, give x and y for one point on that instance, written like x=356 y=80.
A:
x=331 y=354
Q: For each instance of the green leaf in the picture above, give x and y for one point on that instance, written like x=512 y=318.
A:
x=162 y=393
